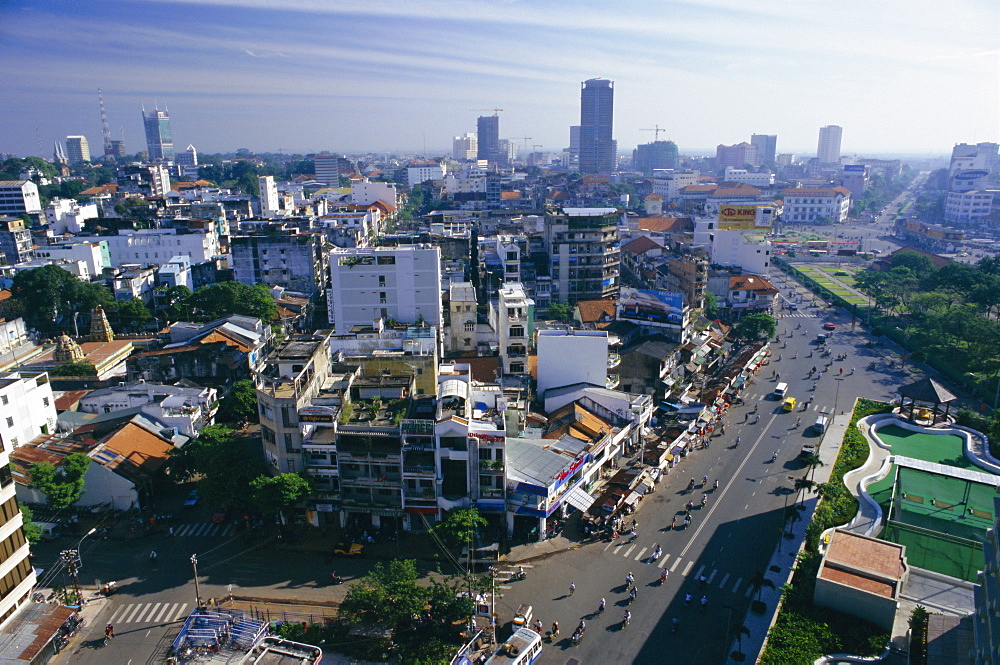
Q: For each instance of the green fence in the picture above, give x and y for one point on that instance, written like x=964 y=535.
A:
x=940 y=552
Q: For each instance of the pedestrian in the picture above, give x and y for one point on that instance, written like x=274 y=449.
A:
x=572 y=588
x=171 y=531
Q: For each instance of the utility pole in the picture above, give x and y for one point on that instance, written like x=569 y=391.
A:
x=72 y=560
x=197 y=587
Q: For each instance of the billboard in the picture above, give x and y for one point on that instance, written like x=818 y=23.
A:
x=743 y=216
x=651 y=306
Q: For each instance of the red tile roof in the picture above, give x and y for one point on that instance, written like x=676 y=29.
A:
x=660 y=224
x=752 y=283
x=641 y=244
x=592 y=311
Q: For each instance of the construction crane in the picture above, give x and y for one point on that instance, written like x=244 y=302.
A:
x=495 y=111
x=105 y=131
x=656 y=129
x=523 y=138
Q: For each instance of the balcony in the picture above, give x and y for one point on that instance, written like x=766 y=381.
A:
x=612 y=381
x=418 y=470
x=386 y=481
x=614 y=360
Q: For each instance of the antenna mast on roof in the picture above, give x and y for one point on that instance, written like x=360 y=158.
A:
x=105 y=130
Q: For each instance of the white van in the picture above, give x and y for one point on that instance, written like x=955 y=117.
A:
x=50 y=530
x=821 y=424
x=780 y=390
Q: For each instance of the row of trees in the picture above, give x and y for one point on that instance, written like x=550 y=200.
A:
x=52 y=300
x=881 y=192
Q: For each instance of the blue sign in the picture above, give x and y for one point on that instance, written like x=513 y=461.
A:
x=975 y=174
x=652 y=306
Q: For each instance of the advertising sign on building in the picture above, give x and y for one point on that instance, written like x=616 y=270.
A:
x=743 y=216
x=650 y=305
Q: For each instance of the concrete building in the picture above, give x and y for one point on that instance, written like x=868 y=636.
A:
x=15 y=566
x=736 y=156
x=969 y=207
x=145 y=180
x=77 y=149
x=93 y=254
x=16 y=245
x=327 y=168
x=19 y=197
x=597 y=147
x=422 y=171
x=159 y=141
x=816 y=206
x=270 y=203
x=156 y=246
x=583 y=248
x=767 y=147
x=68 y=216
x=186 y=409
x=733 y=248
x=488 y=138
x=280 y=256
x=668 y=185
x=968 y=157
x=854 y=178
x=462 y=337
x=765 y=179
x=27 y=408
x=572 y=154
x=401 y=284
x=567 y=357
x=512 y=316
x=828 y=149
x=286 y=382
x=176 y=272
x=465 y=147
x=649 y=157
x=187 y=158
x=986 y=624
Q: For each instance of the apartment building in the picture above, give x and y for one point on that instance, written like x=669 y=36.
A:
x=156 y=246
x=279 y=255
x=512 y=316
x=15 y=241
x=816 y=206
x=401 y=284
x=969 y=207
x=583 y=248
x=27 y=407
x=19 y=197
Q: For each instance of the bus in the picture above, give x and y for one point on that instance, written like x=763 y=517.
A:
x=521 y=648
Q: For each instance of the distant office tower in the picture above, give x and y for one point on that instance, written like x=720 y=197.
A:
x=117 y=148
x=737 y=156
x=327 y=168
x=767 y=147
x=77 y=149
x=488 y=137
x=159 y=143
x=828 y=151
x=574 y=148
x=597 y=103
x=465 y=147
x=656 y=155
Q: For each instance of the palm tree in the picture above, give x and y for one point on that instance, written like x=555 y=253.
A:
x=758 y=581
x=812 y=461
x=802 y=485
x=826 y=490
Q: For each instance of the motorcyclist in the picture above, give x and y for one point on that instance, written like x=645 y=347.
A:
x=715 y=485
x=663 y=576
x=774 y=456
x=631 y=594
x=704 y=480
x=657 y=552
x=629 y=580
x=737 y=441
x=601 y=605
x=675 y=624
x=704 y=602
x=688 y=598
x=152 y=556
x=627 y=617
x=704 y=500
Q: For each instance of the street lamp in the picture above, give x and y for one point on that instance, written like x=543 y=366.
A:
x=197 y=588
x=73 y=564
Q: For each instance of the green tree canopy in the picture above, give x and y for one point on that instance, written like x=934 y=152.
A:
x=226 y=298
x=711 y=306
x=32 y=531
x=918 y=263
x=73 y=369
x=61 y=485
x=226 y=463
x=240 y=405
x=754 y=326
x=459 y=526
x=276 y=494
x=561 y=310
x=49 y=296
x=131 y=315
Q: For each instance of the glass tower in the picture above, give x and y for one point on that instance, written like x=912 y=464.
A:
x=597 y=148
x=159 y=143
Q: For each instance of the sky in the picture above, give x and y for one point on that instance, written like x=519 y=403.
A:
x=299 y=76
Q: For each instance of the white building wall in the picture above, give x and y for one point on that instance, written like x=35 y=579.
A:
x=18 y=197
x=399 y=283
x=27 y=408
x=748 y=178
x=156 y=246
x=669 y=185
x=366 y=193
x=418 y=173
x=68 y=216
x=269 y=202
x=573 y=356
x=90 y=253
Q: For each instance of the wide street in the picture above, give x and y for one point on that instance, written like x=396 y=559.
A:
x=732 y=538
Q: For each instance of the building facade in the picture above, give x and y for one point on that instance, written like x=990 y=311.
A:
x=816 y=206
x=465 y=147
x=280 y=257
x=488 y=138
x=15 y=241
x=77 y=149
x=584 y=251
x=597 y=103
x=649 y=157
x=513 y=319
x=156 y=246
x=159 y=143
x=736 y=156
x=19 y=197
x=767 y=147
x=828 y=150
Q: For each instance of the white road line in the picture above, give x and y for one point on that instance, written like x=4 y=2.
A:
x=749 y=591
x=164 y=613
x=641 y=552
x=712 y=575
x=676 y=563
x=739 y=581
x=725 y=579
x=608 y=546
x=138 y=606
x=117 y=612
x=525 y=565
x=503 y=586
x=663 y=561
x=183 y=529
x=687 y=568
x=700 y=571
x=229 y=529
x=179 y=614
x=153 y=607
x=626 y=555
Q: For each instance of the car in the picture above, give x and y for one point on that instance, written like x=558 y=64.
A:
x=654 y=473
x=192 y=499
x=348 y=549
x=792 y=306
x=789 y=403
x=829 y=326
x=809 y=449
x=220 y=515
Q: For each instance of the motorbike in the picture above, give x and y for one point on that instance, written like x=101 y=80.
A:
x=518 y=575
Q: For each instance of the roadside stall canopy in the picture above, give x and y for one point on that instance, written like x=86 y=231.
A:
x=580 y=499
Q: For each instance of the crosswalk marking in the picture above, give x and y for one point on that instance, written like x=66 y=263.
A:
x=641 y=552
x=148 y=613
x=151 y=609
x=739 y=580
x=749 y=591
x=687 y=568
x=630 y=550
x=131 y=614
x=712 y=576
x=663 y=561
x=725 y=579
x=163 y=613
x=204 y=529
x=676 y=563
x=700 y=571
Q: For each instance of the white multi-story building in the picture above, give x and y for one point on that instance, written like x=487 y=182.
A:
x=27 y=408
x=68 y=216
x=155 y=246
x=77 y=149
x=143 y=179
x=969 y=207
x=365 y=192
x=967 y=157
x=465 y=147
x=19 y=197
x=93 y=254
x=828 y=149
x=327 y=168
x=401 y=284
x=12 y=334
x=764 y=179
x=817 y=206
x=270 y=204
x=512 y=316
x=422 y=171
x=567 y=357
x=733 y=248
x=187 y=409
x=669 y=184
x=470 y=182
x=176 y=272
x=15 y=566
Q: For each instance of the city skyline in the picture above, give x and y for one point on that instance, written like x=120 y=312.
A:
x=308 y=76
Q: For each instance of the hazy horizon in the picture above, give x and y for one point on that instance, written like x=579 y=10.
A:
x=909 y=78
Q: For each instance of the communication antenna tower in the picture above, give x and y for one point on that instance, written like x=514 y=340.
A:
x=105 y=130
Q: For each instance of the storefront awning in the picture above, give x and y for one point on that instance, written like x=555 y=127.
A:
x=579 y=499
x=632 y=498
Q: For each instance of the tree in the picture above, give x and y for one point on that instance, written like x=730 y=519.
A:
x=73 y=369
x=132 y=315
x=561 y=311
x=758 y=582
x=227 y=298
x=61 y=485
x=812 y=460
x=226 y=463
x=918 y=263
x=50 y=296
x=754 y=326
x=802 y=485
x=459 y=526
x=240 y=405
x=711 y=306
x=276 y=494
x=32 y=531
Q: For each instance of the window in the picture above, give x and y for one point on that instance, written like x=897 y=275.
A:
x=470 y=326
x=381 y=296
x=381 y=280
x=45 y=401
x=10 y=421
x=3 y=400
x=386 y=260
x=517 y=331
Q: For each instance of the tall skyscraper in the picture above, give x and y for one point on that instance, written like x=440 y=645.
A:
x=597 y=103
x=767 y=147
x=159 y=143
x=77 y=149
x=573 y=154
x=828 y=151
x=488 y=136
x=648 y=157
